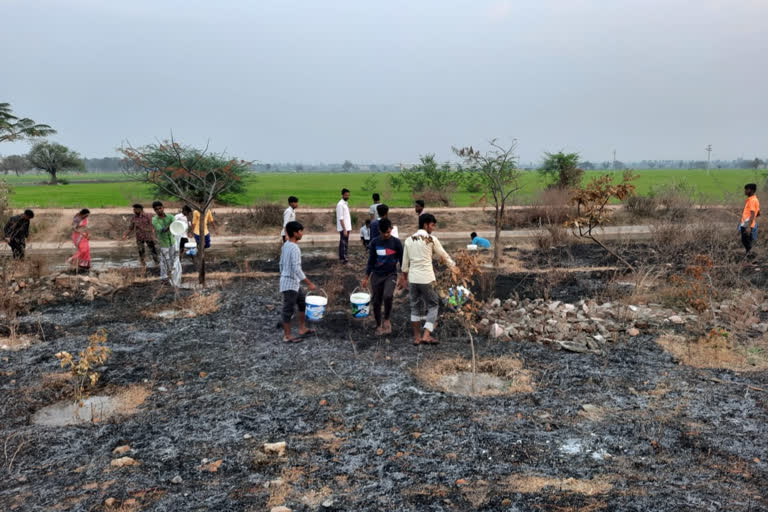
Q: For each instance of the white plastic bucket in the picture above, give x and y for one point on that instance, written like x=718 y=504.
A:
x=361 y=304
x=472 y=247
x=315 y=307
x=190 y=248
x=178 y=228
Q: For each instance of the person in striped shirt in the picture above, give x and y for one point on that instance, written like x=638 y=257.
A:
x=291 y=276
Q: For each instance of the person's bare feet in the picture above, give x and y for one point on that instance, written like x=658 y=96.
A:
x=379 y=331
x=417 y=341
x=428 y=339
x=386 y=327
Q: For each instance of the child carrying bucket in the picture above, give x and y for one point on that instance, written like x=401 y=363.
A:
x=290 y=277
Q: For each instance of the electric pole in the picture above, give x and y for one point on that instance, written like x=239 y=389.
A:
x=709 y=153
x=614 y=159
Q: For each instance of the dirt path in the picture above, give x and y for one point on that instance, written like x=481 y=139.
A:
x=326 y=239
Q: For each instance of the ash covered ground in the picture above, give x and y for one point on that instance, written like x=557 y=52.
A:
x=626 y=429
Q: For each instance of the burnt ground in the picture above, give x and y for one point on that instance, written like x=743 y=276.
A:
x=362 y=432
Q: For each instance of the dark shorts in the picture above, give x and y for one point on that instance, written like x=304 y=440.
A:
x=207 y=240
x=291 y=299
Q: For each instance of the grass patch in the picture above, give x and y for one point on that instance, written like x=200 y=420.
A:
x=716 y=350
x=495 y=376
x=322 y=189
x=529 y=484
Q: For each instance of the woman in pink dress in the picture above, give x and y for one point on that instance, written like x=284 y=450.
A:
x=80 y=237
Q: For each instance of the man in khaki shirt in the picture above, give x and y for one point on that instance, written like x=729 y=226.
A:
x=417 y=270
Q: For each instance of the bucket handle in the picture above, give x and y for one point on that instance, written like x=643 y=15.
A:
x=316 y=293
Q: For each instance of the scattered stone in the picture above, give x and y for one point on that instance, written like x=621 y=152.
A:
x=121 y=450
x=573 y=346
x=123 y=462
x=212 y=467
x=276 y=482
x=676 y=319
x=281 y=508
x=110 y=502
x=275 y=448
x=247 y=436
x=162 y=389
x=327 y=503
x=177 y=479
x=496 y=331
x=633 y=332
x=496 y=303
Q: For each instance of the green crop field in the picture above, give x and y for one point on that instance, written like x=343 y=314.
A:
x=322 y=189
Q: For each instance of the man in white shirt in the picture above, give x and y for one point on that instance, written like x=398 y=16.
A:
x=417 y=271
x=343 y=224
x=289 y=215
x=372 y=210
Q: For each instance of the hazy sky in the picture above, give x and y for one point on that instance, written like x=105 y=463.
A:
x=324 y=81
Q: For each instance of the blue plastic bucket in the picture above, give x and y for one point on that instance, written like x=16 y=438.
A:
x=315 y=307
x=361 y=304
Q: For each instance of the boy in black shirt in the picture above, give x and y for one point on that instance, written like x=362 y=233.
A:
x=16 y=232
x=385 y=252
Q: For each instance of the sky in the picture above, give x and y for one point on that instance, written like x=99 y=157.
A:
x=385 y=82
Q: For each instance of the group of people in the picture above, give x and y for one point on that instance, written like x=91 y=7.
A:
x=391 y=264
x=166 y=247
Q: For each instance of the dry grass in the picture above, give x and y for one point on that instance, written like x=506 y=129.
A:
x=197 y=304
x=131 y=398
x=17 y=342
x=716 y=350
x=518 y=379
x=530 y=484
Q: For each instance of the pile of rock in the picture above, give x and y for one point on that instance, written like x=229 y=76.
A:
x=585 y=326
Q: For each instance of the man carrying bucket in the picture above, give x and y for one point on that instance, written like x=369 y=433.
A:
x=384 y=254
x=170 y=266
x=418 y=273
x=291 y=276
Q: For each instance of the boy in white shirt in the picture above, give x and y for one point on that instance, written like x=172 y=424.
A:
x=365 y=233
x=417 y=271
x=289 y=215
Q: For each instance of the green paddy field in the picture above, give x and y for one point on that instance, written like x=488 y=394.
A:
x=100 y=190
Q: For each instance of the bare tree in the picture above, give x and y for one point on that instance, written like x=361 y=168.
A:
x=196 y=177
x=500 y=177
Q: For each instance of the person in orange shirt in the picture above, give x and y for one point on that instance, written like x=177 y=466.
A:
x=748 y=225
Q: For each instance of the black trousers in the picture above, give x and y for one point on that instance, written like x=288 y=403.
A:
x=143 y=253
x=343 y=246
x=18 y=247
x=292 y=299
x=383 y=287
x=746 y=238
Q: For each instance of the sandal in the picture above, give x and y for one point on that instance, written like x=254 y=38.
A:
x=417 y=342
x=291 y=340
x=308 y=332
x=431 y=341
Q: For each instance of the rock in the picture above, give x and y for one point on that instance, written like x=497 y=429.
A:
x=90 y=294
x=110 y=502
x=573 y=346
x=676 y=319
x=177 y=479
x=247 y=436
x=123 y=462
x=275 y=448
x=762 y=327
x=281 y=508
x=162 y=389
x=212 y=467
x=275 y=483
x=569 y=308
x=496 y=303
x=121 y=450
x=496 y=331
x=599 y=338
x=327 y=503
x=633 y=309
x=634 y=332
